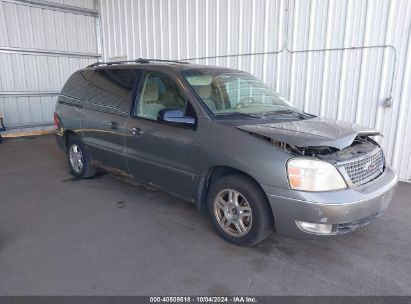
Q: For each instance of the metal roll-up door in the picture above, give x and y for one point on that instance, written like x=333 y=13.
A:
x=41 y=44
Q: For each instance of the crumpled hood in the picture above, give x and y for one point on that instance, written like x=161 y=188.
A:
x=311 y=132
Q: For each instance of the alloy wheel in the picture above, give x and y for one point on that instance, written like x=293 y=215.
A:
x=233 y=212
x=76 y=158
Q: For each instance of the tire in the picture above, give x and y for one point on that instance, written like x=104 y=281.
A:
x=247 y=222
x=76 y=151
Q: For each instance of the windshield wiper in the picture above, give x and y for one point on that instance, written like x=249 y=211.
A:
x=239 y=114
x=286 y=112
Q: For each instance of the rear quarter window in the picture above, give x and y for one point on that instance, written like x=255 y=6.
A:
x=73 y=91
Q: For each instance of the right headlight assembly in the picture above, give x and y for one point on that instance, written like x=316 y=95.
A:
x=313 y=175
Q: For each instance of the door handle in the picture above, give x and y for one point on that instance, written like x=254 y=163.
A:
x=136 y=131
x=112 y=124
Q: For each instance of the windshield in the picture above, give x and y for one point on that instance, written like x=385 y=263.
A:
x=228 y=92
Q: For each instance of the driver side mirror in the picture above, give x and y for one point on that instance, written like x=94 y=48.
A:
x=175 y=116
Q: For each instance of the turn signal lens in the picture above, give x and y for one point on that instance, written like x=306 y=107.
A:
x=313 y=175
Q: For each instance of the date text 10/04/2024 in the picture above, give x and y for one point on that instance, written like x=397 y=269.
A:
x=204 y=299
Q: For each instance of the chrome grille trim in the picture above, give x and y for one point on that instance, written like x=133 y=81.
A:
x=364 y=169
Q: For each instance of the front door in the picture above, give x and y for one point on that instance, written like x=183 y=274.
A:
x=159 y=153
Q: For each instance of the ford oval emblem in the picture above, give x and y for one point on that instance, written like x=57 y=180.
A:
x=369 y=166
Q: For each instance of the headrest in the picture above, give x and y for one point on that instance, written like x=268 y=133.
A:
x=204 y=91
x=150 y=92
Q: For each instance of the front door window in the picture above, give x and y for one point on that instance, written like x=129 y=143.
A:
x=159 y=91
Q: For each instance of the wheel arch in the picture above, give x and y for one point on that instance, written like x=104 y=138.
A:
x=67 y=134
x=214 y=173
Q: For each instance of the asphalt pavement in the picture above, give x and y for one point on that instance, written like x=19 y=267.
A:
x=107 y=236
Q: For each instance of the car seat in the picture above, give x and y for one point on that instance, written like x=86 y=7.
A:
x=149 y=103
x=205 y=94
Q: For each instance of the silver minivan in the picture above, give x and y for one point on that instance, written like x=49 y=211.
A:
x=223 y=140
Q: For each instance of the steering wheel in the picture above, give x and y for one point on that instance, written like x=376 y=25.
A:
x=244 y=102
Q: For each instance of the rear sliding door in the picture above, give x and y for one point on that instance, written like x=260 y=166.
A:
x=106 y=108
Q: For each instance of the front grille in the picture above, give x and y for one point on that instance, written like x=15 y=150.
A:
x=365 y=169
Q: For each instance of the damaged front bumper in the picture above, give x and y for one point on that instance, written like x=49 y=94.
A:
x=339 y=211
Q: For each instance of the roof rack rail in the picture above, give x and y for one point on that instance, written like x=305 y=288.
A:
x=139 y=60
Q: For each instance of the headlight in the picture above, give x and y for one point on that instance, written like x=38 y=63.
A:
x=313 y=175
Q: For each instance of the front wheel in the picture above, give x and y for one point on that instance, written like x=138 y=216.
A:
x=78 y=158
x=239 y=210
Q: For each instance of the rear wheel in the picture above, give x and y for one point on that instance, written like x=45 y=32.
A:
x=78 y=158
x=239 y=210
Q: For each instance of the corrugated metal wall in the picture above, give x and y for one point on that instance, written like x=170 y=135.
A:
x=41 y=44
x=340 y=59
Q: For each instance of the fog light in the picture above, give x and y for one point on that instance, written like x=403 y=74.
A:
x=314 y=228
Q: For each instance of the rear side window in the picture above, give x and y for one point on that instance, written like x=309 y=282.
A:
x=73 y=91
x=110 y=90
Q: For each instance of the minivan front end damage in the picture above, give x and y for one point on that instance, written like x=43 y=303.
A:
x=330 y=212
x=333 y=189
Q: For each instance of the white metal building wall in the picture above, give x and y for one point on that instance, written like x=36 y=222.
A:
x=346 y=59
x=41 y=44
